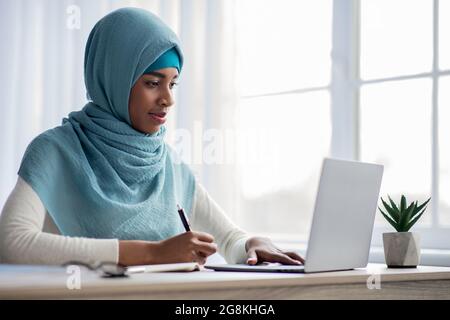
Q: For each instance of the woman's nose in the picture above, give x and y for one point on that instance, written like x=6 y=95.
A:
x=166 y=98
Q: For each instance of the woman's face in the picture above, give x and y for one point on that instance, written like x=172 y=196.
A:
x=150 y=99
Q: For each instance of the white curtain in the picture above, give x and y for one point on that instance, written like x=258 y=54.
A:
x=41 y=75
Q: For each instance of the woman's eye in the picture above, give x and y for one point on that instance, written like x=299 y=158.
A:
x=152 y=83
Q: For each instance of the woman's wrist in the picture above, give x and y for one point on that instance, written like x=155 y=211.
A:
x=136 y=252
x=151 y=252
x=254 y=241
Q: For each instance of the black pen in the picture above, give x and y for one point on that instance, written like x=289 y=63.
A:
x=184 y=219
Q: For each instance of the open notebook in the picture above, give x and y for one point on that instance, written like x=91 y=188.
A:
x=169 y=267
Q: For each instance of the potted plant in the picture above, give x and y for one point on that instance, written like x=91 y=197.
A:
x=402 y=248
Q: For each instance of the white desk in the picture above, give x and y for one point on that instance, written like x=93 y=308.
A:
x=51 y=282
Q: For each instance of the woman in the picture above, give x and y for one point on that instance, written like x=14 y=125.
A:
x=104 y=186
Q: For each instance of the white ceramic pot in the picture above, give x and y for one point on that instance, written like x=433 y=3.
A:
x=401 y=249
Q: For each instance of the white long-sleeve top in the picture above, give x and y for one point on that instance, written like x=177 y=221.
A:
x=28 y=234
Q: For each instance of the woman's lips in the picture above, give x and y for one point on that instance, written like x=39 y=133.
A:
x=158 y=117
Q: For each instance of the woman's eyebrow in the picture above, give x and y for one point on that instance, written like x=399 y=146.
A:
x=160 y=75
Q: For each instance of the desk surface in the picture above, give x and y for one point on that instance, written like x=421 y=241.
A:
x=40 y=282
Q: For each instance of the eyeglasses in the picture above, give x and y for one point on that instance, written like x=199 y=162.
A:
x=106 y=269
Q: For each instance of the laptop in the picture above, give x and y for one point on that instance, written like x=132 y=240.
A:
x=342 y=224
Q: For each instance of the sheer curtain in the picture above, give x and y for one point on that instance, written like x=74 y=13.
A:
x=41 y=79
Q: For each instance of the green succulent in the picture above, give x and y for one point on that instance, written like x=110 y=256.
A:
x=403 y=216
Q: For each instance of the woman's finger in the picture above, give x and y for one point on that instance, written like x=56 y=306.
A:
x=201 y=257
x=295 y=256
x=252 y=258
x=203 y=236
x=206 y=248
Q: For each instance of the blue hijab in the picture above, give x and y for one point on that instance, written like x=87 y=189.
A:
x=96 y=175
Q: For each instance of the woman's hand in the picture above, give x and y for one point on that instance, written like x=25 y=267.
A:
x=190 y=246
x=262 y=249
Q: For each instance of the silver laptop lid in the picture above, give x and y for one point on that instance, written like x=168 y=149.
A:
x=344 y=215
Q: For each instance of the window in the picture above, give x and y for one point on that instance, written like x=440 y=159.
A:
x=403 y=104
x=284 y=119
x=356 y=79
